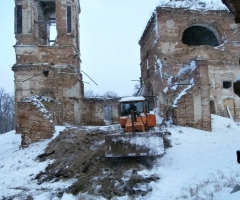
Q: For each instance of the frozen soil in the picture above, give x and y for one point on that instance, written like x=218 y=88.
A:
x=79 y=153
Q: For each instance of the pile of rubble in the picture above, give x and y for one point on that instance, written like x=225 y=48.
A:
x=79 y=153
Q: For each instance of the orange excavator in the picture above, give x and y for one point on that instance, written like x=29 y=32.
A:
x=138 y=137
x=140 y=120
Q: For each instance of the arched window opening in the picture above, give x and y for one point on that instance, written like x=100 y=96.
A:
x=199 y=35
x=47 y=22
x=52 y=29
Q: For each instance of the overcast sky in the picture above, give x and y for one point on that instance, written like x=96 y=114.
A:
x=7 y=40
x=109 y=35
x=110 y=31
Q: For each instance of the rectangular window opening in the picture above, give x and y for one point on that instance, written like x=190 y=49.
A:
x=53 y=31
x=69 y=21
x=227 y=84
x=18 y=19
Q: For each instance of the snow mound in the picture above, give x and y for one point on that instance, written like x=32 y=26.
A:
x=194 y=4
x=222 y=124
x=196 y=155
x=18 y=167
x=115 y=127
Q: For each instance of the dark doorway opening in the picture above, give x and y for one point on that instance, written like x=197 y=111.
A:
x=212 y=107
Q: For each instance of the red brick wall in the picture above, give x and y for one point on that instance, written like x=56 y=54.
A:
x=32 y=124
x=217 y=64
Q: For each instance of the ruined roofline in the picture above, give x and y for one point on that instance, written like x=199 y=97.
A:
x=174 y=10
x=150 y=22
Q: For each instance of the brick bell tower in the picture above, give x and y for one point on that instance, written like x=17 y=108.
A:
x=48 y=82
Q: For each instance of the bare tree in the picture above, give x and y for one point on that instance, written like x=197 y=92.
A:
x=6 y=111
x=137 y=88
x=110 y=94
x=90 y=94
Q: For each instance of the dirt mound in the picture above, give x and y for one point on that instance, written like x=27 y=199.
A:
x=79 y=153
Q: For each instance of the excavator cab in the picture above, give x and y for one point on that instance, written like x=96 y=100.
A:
x=133 y=115
x=136 y=139
x=126 y=107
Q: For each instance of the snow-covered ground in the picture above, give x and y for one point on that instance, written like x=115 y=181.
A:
x=199 y=157
x=202 y=164
x=18 y=168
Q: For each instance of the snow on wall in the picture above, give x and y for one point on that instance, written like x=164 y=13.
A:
x=159 y=119
x=158 y=66
x=37 y=101
x=156 y=28
x=221 y=47
x=32 y=64
x=194 y=4
x=182 y=93
x=173 y=81
x=190 y=67
x=147 y=64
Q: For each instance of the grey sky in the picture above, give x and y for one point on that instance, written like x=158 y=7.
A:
x=7 y=55
x=109 y=34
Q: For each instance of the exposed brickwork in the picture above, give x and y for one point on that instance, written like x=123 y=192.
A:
x=93 y=111
x=163 y=54
x=35 y=53
x=196 y=100
x=32 y=124
x=61 y=58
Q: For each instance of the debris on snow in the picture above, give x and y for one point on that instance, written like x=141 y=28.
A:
x=95 y=177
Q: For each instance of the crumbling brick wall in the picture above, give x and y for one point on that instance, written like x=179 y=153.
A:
x=93 y=111
x=163 y=55
x=60 y=90
x=32 y=123
x=36 y=53
x=193 y=109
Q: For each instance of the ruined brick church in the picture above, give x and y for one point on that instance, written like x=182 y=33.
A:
x=48 y=79
x=189 y=61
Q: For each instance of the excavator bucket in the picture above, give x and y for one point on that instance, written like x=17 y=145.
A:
x=134 y=144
